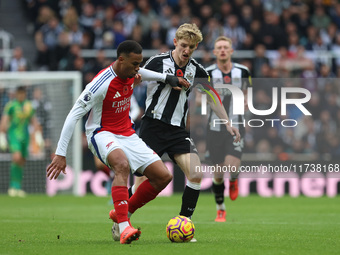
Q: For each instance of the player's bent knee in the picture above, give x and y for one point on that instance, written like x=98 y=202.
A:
x=195 y=180
x=121 y=167
x=167 y=178
x=164 y=181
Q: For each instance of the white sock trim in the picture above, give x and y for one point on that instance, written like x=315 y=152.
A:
x=216 y=182
x=234 y=175
x=122 y=226
x=133 y=189
x=220 y=207
x=194 y=185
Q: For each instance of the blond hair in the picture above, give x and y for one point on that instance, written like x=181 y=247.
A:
x=224 y=38
x=189 y=32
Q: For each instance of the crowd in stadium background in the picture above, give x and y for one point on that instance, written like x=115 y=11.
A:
x=292 y=30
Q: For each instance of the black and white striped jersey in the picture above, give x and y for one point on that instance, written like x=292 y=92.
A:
x=238 y=76
x=163 y=102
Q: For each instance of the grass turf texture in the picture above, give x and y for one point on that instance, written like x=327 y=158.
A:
x=69 y=225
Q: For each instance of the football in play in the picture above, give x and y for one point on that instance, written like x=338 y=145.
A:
x=180 y=229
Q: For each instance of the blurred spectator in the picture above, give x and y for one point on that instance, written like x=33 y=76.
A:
x=118 y=5
x=326 y=132
x=314 y=105
x=303 y=21
x=332 y=105
x=45 y=14
x=211 y=30
x=325 y=123
x=86 y=41
x=259 y=59
x=300 y=62
x=309 y=136
x=263 y=150
x=137 y=35
x=175 y=22
x=97 y=34
x=1 y=65
x=70 y=18
x=62 y=50
x=335 y=14
x=309 y=76
x=146 y=16
x=337 y=121
x=129 y=18
x=319 y=19
x=237 y=7
x=185 y=14
x=109 y=17
x=234 y=31
x=335 y=47
x=325 y=77
x=207 y=59
x=257 y=9
x=64 y=7
x=265 y=71
x=246 y=17
x=275 y=6
x=255 y=30
x=156 y=34
x=275 y=140
x=328 y=35
x=205 y=14
x=272 y=34
x=291 y=28
x=67 y=61
x=166 y=14
x=248 y=43
x=282 y=63
x=46 y=40
x=249 y=141
x=118 y=33
x=75 y=34
x=311 y=37
x=87 y=17
x=100 y=62
x=18 y=61
x=226 y=10
x=108 y=40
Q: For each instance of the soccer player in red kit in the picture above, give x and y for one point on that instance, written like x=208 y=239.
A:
x=111 y=137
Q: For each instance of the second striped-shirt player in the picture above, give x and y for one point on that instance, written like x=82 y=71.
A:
x=164 y=122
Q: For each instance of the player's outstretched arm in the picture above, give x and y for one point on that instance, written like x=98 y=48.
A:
x=78 y=110
x=57 y=165
x=138 y=80
x=177 y=82
x=173 y=81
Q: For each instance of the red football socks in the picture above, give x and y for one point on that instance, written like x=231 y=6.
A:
x=120 y=197
x=144 y=194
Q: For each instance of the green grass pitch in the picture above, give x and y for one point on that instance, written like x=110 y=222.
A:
x=79 y=225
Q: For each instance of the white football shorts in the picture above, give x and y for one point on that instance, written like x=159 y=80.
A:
x=137 y=152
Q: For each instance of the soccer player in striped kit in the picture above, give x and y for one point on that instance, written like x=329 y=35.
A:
x=222 y=150
x=111 y=137
x=163 y=126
